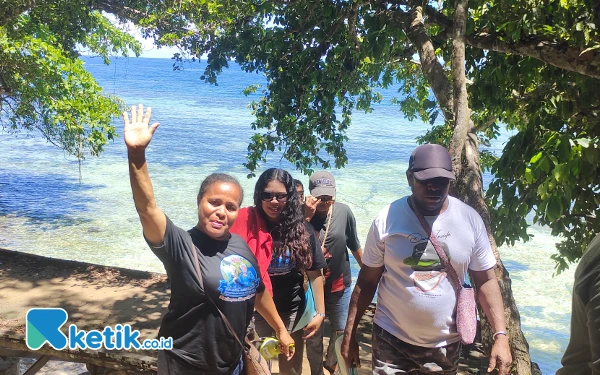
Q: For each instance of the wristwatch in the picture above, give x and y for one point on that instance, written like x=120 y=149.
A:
x=320 y=314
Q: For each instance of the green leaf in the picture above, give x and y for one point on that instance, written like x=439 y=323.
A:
x=545 y=165
x=554 y=209
x=536 y=158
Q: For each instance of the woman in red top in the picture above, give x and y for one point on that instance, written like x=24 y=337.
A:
x=287 y=249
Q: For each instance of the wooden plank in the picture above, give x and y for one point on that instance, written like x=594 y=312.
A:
x=133 y=362
x=37 y=366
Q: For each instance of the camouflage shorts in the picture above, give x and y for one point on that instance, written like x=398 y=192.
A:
x=393 y=356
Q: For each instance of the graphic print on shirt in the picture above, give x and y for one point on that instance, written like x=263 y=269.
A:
x=428 y=270
x=240 y=279
x=281 y=262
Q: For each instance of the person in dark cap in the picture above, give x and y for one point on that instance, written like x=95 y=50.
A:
x=335 y=225
x=414 y=328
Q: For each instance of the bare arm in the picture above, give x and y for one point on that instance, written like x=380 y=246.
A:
x=490 y=299
x=137 y=136
x=358 y=256
x=362 y=295
x=317 y=283
x=265 y=307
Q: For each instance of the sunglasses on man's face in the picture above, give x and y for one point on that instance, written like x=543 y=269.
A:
x=325 y=198
x=268 y=196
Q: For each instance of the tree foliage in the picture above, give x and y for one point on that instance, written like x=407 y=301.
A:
x=44 y=87
x=532 y=66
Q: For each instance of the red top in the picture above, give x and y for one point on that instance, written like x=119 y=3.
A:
x=253 y=229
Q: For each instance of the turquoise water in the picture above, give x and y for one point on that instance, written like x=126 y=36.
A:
x=45 y=210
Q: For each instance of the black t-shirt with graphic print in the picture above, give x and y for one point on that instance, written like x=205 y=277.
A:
x=287 y=280
x=230 y=276
x=342 y=236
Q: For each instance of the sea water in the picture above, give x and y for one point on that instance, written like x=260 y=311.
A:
x=45 y=209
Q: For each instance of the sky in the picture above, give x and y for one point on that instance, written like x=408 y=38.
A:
x=151 y=51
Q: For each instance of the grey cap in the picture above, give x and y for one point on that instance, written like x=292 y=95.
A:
x=321 y=183
x=430 y=161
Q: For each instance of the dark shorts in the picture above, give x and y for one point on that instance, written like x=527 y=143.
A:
x=394 y=356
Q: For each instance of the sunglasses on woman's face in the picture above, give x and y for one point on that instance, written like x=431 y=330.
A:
x=268 y=196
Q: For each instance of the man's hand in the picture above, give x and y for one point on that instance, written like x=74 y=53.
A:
x=137 y=133
x=310 y=207
x=500 y=356
x=349 y=351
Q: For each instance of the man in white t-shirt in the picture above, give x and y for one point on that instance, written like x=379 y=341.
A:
x=414 y=328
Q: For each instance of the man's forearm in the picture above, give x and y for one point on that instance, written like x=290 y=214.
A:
x=490 y=299
x=361 y=298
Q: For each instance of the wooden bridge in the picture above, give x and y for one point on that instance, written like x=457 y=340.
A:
x=94 y=297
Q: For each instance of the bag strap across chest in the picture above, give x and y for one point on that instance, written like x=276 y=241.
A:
x=436 y=245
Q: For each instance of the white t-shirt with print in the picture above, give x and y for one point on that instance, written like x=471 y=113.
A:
x=415 y=300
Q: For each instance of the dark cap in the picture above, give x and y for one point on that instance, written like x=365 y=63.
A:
x=321 y=183
x=431 y=161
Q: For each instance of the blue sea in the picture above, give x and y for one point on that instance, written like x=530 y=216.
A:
x=45 y=209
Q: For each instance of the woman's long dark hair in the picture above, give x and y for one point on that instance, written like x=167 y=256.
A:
x=291 y=229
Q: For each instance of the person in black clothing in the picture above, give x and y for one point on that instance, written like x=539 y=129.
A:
x=335 y=225
x=290 y=253
x=582 y=356
x=202 y=342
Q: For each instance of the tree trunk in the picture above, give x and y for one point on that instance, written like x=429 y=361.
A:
x=462 y=113
x=469 y=189
x=469 y=186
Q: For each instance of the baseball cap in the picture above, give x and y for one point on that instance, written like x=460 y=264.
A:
x=321 y=183
x=431 y=161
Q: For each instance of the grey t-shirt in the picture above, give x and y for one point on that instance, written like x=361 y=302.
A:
x=342 y=236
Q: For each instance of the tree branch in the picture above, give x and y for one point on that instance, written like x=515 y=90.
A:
x=555 y=53
x=462 y=113
x=432 y=69
x=558 y=54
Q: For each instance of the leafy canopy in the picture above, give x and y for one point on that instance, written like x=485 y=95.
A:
x=44 y=87
x=532 y=66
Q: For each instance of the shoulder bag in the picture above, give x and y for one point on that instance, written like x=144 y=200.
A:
x=466 y=310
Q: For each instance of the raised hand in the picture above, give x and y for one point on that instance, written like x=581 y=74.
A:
x=310 y=207
x=136 y=132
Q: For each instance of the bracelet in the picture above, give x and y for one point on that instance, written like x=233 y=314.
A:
x=321 y=315
x=499 y=333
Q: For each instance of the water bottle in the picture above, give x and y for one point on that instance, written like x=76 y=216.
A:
x=269 y=348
